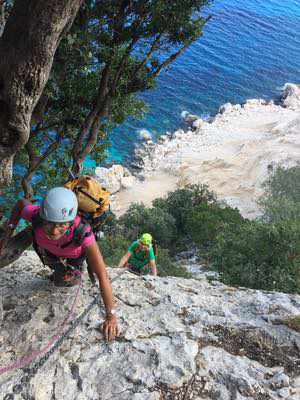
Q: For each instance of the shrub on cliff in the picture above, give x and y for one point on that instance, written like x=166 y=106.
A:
x=259 y=255
x=157 y=221
x=205 y=221
x=191 y=213
x=282 y=195
x=284 y=182
x=113 y=248
x=265 y=254
x=166 y=267
x=181 y=202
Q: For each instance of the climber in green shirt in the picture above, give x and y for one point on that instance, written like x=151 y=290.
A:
x=140 y=257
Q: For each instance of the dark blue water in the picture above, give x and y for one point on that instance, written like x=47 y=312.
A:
x=250 y=48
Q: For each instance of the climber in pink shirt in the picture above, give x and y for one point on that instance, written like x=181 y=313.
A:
x=64 y=242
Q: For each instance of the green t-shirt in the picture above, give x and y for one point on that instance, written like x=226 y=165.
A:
x=139 y=258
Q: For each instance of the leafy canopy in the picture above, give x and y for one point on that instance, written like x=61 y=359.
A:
x=114 y=51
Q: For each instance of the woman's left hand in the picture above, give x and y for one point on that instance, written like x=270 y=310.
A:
x=110 y=328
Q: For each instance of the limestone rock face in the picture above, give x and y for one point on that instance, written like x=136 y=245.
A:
x=180 y=339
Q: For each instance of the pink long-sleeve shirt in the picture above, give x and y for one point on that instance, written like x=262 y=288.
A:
x=54 y=246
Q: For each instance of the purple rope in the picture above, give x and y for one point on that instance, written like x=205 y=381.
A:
x=22 y=362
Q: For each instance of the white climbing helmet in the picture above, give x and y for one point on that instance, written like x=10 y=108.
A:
x=60 y=205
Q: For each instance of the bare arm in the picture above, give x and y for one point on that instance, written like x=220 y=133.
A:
x=96 y=263
x=153 y=267
x=124 y=260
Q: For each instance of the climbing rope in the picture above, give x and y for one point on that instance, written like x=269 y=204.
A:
x=22 y=362
x=51 y=347
x=58 y=338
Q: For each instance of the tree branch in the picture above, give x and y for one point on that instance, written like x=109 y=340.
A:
x=89 y=121
x=148 y=55
x=35 y=163
x=169 y=60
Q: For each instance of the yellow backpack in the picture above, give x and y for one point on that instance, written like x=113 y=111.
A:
x=92 y=197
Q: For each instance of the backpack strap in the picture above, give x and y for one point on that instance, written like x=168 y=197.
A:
x=81 y=231
x=139 y=248
x=99 y=202
x=36 y=221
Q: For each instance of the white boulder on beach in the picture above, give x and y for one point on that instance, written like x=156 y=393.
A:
x=114 y=178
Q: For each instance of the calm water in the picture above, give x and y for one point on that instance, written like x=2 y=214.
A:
x=249 y=49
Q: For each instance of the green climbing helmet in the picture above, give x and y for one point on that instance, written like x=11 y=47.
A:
x=146 y=239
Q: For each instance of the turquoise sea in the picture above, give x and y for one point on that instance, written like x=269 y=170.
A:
x=250 y=49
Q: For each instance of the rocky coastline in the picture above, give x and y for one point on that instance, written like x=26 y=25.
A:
x=232 y=153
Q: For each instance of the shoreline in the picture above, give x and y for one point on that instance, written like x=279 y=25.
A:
x=232 y=153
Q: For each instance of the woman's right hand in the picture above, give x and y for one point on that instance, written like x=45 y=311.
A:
x=110 y=328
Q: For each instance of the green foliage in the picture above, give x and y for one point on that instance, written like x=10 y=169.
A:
x=181 y=202
x=282 y=195
x=113 y=248
x=281 y=209
x=284 y=182
x=205 y=221
x=140 y=219
x=112 y=52
x=184 y=213
x=166 y=267
x=259 y=255
x=169 y=222
x=265 y=254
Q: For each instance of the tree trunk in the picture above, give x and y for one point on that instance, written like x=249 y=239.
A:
x=27 y=47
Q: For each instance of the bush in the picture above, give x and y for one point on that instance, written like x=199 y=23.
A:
x=279 y=210
x=282 y=195
x=157 y=221
x=205 y=221
x=259 y=255
x=180 y=203
x=113 y=248
x=284 y=183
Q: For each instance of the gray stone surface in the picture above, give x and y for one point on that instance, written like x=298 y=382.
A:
x=180 y=339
